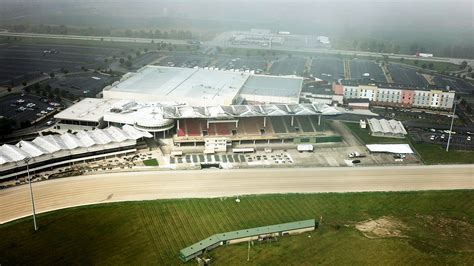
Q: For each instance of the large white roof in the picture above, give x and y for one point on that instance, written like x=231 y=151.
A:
x=194 y=86
x=273 y=86
x=88 y=109
x=50 y=144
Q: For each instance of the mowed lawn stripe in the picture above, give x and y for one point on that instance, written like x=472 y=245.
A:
x=153 y=232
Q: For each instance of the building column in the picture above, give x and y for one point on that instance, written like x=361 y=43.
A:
x=292 y=120
x=164 y=134
x=319 y=120
x=268 y=141
x=237 y=123
x=264 y=121
x=207 y=121
x=177 y=124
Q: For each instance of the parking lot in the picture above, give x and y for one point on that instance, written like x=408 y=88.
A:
x=145 y=59
x=440 y=137
x=406 y=75
x=242 y=64
x=327 y=68
x=361 y=67
x=186 y=60
x=288 y=66
x=458 y=85
x=18 y=60
x=24 y=108
x=82 y=84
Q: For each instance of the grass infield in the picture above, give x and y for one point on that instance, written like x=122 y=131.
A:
x=438 y=228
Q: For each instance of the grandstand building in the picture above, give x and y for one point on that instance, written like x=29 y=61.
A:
x=192 y=105
x=45 y=152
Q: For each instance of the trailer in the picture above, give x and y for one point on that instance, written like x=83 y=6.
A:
x=424 y=55
x=243 y=150
x=356 y=155
x=305 y=147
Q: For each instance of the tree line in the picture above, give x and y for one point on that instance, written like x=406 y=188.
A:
x=97 y=31
x=392 y=46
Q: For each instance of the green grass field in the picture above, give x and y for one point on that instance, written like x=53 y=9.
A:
x=150 y=162
x=430 y=153
x=365 y=137
x=439 y=230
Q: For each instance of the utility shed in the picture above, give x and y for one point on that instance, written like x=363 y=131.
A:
x=238 y=236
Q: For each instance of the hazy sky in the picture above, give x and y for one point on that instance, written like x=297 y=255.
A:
x=306 y=16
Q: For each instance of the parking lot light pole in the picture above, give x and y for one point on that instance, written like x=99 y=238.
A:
x=451 y=128
x=27 y=159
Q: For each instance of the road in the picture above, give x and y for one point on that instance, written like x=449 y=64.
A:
x=227 y=44
x=114 y=187
x=90 y=38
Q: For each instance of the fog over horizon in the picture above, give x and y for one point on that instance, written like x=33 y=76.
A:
x=437 y=20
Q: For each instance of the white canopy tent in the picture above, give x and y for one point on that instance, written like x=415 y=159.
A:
x=390 y=148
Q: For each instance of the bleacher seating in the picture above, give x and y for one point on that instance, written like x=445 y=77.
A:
x=290 y=128
x=250 y=126
x=305 y=124
x=268 y=127
x=222 y=129
x=193 y=127
x=278 y=125
x=180 y=132
x=314 y=120
x=212 y=130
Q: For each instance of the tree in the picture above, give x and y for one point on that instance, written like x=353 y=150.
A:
x=463 y=65
x=52 y=74
x=9 y=89
x=28 y=89
x=415 y=62
x=430 y=65
x=469 y=69
x=402 y=59
x=122 y=61
x=423 y=66
x=6 y=126
x=128 y=63
x=24 y=83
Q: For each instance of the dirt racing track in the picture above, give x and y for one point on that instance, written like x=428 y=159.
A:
x=128 y=186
